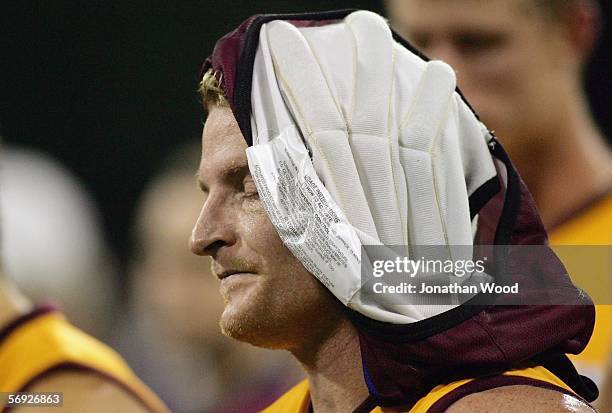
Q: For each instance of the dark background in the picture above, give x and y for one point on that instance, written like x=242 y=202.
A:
x=109 y=88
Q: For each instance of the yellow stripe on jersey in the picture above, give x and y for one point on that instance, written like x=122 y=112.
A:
x=591 y=227
x=296 y=400
x=48 y=341
x=536 y=373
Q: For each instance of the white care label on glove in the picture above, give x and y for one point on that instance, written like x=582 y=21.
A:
x=307 y=218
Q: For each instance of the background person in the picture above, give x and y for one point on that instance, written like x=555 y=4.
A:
x=520 y=63
x=48 y=214
x=40 y=351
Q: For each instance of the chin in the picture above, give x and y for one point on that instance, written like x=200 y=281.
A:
x=238 y=322
x=252 y=324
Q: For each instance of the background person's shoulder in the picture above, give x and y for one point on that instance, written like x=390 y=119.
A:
x=86 y=392
x=520 y=398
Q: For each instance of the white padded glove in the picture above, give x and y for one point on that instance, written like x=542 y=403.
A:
x=396 y=152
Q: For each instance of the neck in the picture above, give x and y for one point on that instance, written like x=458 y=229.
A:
x=334 y=370
x=12 y=303
x=570 y=168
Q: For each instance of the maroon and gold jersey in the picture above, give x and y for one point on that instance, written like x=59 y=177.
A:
x=43 y=342
x=297 y=400
x=592 y=226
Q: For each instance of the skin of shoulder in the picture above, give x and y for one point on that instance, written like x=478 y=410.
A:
x=510 y=399
x=85 y=392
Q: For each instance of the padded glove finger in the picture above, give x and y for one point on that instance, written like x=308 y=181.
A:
x=421 y=126
x=320 y=121
x=374 y=145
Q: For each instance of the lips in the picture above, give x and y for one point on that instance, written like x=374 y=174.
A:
x=231 y=267
x=228 y=273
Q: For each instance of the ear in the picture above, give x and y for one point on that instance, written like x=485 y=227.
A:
x=582 y=23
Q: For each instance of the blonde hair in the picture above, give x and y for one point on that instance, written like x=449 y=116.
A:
x=210 y=89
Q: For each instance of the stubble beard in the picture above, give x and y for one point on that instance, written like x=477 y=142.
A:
x=256 y=322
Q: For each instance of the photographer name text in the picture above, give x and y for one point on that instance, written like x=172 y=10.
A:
x=455 y=288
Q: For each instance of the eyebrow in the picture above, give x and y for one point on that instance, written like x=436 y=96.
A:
x=225 y=172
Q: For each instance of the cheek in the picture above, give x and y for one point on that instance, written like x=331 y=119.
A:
x=497 y=75
x=259 y=235
x=284 y=272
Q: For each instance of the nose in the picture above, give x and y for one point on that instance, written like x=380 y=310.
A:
x=213 y=230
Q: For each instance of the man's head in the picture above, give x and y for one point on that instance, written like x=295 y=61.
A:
x=271 y=300
x=518 y=61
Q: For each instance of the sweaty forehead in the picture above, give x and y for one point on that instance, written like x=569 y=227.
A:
x=221 y=128
x=222 y=137
x=223 y=147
